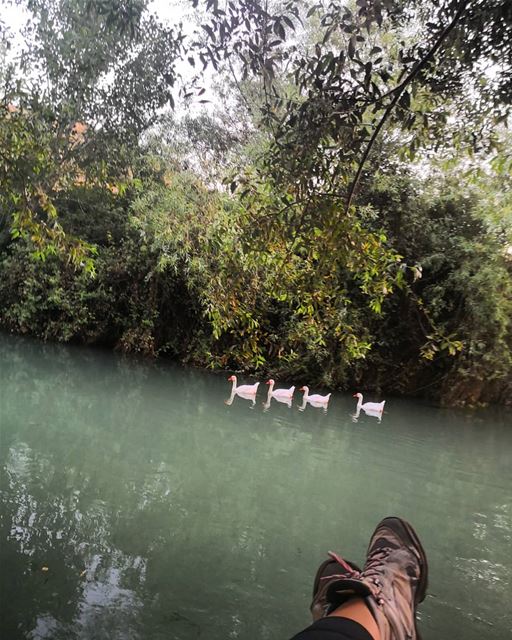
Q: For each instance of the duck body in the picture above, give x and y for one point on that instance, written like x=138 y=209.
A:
x=280 y=394
x=243 y=389
x=374 y=407
x=241 y=394
x=315 y=398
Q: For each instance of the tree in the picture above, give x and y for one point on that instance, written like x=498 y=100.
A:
x=92 y=78
x=326 y=105
x=111 y=65
x=346 y=86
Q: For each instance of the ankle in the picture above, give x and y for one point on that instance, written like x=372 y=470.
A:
x=356 y=609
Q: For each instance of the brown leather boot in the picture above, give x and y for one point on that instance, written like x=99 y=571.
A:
x=393 y=581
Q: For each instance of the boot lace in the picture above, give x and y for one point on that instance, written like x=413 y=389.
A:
x=350 y=572
x=373 y=571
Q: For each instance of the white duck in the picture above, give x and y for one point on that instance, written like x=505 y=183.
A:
x=243 y=389
x=285 y=394
x=315 y=398
x=377 y=407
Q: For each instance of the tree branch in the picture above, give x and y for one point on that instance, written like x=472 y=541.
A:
x=399 y=90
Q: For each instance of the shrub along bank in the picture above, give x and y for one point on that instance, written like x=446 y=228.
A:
x=175 y=276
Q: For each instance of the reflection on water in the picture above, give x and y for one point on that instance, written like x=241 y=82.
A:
x=372 y=413
x=313 y=403
x=135 y=503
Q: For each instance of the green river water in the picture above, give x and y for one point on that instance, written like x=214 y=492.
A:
x=136 y=504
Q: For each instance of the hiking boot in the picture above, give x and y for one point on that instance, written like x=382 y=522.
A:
x=393 y=581
x=396 y=572
x=332 y=570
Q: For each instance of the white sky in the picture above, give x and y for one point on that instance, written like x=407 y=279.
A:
x=170 y=12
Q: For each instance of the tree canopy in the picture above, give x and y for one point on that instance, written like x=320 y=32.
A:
x=309 y=188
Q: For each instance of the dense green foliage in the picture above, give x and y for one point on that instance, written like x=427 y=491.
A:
x=287 y=232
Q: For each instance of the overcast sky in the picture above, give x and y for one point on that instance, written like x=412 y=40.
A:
x=170 y=11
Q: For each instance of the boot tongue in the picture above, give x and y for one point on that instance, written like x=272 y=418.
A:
x=341 y=590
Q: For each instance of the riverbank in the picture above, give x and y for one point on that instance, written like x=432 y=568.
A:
x=453 y=394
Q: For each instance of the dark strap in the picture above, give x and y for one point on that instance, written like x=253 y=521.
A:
x=334 y=628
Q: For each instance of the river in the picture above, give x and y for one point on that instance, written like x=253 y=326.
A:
x=137 y=504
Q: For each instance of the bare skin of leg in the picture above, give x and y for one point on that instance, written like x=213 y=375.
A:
x=356 y=609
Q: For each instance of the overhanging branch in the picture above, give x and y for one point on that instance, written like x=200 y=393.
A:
x=398 y=91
